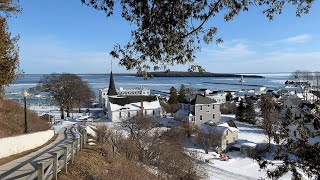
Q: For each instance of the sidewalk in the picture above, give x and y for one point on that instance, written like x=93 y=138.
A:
x=22 y=168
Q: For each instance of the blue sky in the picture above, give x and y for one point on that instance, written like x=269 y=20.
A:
x=66 y=36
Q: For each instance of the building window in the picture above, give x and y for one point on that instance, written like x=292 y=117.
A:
x=200 y=108
x=227 y=133
x=145 y=112
x=295 y=133
x=212 y=106
x=286 y=106
x=153 y=112
x=213 y=116
x=234 y=139
x=208 y=105
x=227 y=142
x=128 y=113
x=119 y=114
x=200 y=117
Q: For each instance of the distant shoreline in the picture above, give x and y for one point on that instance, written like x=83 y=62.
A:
x=195 y=74
x=173 y=74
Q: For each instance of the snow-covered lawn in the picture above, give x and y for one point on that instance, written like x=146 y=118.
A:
x=238 y=166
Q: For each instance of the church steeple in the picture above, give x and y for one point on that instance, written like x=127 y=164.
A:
x=112 y=88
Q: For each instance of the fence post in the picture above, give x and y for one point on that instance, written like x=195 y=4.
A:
x=55 y=166
x=81 y=140
x=65 y=160
x=40 y=171
x=77 y=142
x=84 y=134
x=72 y=151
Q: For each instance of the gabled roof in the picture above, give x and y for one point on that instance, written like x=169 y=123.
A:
x=200 y=99
x=112 y=88
x=296 y=101
x=123 y=100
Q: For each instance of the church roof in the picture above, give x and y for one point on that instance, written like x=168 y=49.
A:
x=123 y=100
x=112 y=88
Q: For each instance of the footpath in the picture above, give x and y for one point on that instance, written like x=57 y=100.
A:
x=23 y=167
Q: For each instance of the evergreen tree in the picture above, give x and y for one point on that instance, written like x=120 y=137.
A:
x=9 y=60
x=9 y=51
x=240 y=111
x=173 y=96
x=229 y=96
x=182 y=93
x=249 y=114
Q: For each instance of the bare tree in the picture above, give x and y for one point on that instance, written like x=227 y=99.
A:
x=139 y=127
x=209 y=138
x=303 y=78
x=68 y=90
x=270 y=122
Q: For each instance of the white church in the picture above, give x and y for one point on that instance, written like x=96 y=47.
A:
x=128 y=102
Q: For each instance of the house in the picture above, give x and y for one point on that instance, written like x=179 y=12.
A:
x=302 y=113
x=203 y=91
x=139 y=91
x=219 y=96
x=123 y=107
x=198 y=110
x=226 y=135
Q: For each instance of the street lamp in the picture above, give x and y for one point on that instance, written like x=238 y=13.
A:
x=25 y=94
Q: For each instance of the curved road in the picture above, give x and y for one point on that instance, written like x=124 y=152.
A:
x=21 y=168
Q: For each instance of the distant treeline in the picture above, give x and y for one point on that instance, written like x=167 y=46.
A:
x=195 y=74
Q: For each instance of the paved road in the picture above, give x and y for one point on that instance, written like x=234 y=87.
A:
x=22 y=168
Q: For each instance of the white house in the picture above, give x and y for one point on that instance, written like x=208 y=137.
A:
x=219 y=96
x=199 y=110
x=302 y=113
x=124 y=107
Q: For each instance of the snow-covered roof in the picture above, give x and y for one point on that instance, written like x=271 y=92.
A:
x=122 y=103
x=232 y=129
x=249 y=144
x=221 y=128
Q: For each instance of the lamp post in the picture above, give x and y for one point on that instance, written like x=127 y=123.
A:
x=25 y=94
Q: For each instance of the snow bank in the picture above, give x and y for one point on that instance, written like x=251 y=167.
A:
x=17 y=144
x=91 y=131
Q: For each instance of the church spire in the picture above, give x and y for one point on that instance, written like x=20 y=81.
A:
x=112 y=88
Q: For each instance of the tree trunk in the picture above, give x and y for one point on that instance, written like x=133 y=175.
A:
x=1 y=92
x=68 y=112
x=62 y=113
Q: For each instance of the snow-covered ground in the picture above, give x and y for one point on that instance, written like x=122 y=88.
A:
x=237 y=167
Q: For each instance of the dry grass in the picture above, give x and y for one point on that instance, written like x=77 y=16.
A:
x=12 y=119
x=97 y=162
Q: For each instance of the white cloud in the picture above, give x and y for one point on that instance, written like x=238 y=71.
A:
x=230 y=50
x=302 y=38
x=270 y=62
x=297 y=39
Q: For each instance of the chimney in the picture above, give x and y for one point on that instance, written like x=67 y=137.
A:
x=141 y=107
